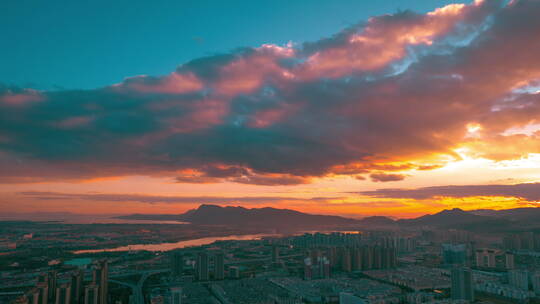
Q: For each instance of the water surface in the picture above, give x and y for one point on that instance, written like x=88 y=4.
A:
x=181 y=244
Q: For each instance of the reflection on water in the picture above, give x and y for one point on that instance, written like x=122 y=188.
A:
x=181 y=244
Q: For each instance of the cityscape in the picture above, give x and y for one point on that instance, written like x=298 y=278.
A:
x=379 y=261
x=270 y=152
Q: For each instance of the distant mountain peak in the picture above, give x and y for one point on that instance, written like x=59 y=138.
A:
x=453 y=211
x=267 y=216
x=447 y=217
x=208 y=206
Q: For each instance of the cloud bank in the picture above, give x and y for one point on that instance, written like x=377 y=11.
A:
x=153 y=199
x=529 y=192
x=400 y=88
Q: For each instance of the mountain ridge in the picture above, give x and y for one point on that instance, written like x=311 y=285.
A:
x=208 y=214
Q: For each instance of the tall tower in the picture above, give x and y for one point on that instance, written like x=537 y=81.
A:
x=462 y=284
x=219 y=266
x=202 y=266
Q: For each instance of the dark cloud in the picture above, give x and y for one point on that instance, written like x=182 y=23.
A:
x=395 y=89
x=383 y=177
x=213 y=174
x=530 y=192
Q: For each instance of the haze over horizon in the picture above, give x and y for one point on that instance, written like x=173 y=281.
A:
x=355 y=109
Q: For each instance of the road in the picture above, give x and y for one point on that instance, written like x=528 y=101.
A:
x=136 y=289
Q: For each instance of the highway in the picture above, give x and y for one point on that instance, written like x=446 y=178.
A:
x=136 y=289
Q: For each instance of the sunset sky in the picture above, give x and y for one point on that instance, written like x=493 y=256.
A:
x=355 y=108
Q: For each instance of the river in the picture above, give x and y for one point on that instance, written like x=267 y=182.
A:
x=181 y=244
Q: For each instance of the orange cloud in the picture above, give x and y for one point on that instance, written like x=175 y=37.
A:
x=393 y=96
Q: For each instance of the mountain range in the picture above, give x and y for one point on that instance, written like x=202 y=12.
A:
x=477 y=220
x=268 y=217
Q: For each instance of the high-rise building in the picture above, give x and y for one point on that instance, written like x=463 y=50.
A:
x=43 y=295
x=101 y=278
x=333 y=256
x=91 y=294
x=356 y=258
x=535 y=278
x=388 y=258
x=367 y=258
x=177 y=264
x=202 y=266
x=454 y=253
x=37 y=295
x=519 y=278
x=275 y=253
x=44 y=285
x=77 y=279
x=326 y=268
x=32 y=296
x=462 y=284
x=234 y=272
x=485 y=258
x=346 y=260
x=308 y=269
x=377 y=257
x=63 y=294
x=50 y=280
x=509 y=261
x=219 y=266
x=53 y=284
x=314 y=254
x=176 y=295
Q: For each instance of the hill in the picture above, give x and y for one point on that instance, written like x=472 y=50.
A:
x=267 y=217
x=476 y=220
x=446 y=218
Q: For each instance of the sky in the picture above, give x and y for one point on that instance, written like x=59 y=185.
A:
x=353 y=108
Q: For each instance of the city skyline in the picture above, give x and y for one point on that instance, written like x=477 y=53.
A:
x=382 y=110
